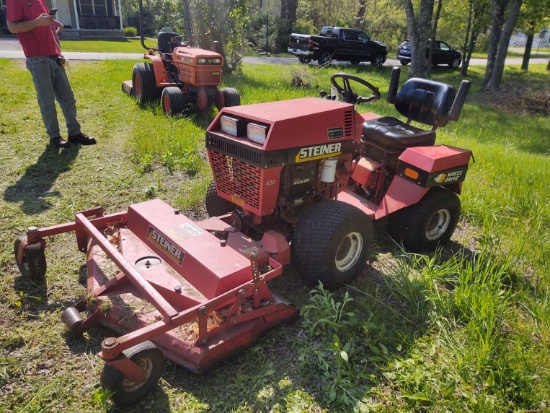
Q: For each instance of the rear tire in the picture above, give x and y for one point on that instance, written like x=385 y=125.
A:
x=231 y=97
x=304 y=60
x=355 y=62
x=34 y=264
x=144 y=84
x=428 y=224
x=215 y=204
x=173 y=102
x=325 y=58
x=404 y=62
x=332 y=243
x=127 y=392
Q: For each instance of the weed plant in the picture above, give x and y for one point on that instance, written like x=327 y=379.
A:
x=464 y=329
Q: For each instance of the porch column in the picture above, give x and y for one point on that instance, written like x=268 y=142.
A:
x=76 y=15
x=119 y=14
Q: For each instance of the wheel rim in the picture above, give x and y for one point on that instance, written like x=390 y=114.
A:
x=130 y=386
x=349 y=251
x=137 y=87
x=438 y=224
x=166 y=104
x=202 y=100
x=456 y=62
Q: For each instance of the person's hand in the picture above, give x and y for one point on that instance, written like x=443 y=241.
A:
x=44 y=19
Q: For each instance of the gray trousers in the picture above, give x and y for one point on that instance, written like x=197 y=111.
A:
x=51 y=84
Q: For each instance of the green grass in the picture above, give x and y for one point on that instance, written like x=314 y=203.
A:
x=124 y=45
x=465 y=329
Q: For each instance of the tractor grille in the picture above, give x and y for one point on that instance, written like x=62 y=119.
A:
x=348 y=123
x=245 y=153
x=238 y=180
x=205 y=77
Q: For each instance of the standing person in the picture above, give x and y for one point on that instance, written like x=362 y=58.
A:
x=37 y=33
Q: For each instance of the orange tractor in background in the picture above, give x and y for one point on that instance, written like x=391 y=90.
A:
x=182 y=76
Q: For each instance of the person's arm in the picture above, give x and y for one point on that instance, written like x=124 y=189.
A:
x=21 y=27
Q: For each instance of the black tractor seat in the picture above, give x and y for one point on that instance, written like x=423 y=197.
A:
x=419 y=100
x=391 y=132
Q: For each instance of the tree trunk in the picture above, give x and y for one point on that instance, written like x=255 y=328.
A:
x=360 y=14
x=498 y=8
x=502 y=50
x=548 y=66
x=418 y=28
x=433 y=37
x=527 y=52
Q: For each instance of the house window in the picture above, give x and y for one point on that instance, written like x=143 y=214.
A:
x=93 y=7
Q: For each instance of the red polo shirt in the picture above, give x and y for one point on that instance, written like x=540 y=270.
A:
x=38 y=41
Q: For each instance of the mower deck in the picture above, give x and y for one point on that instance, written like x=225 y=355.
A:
x=153 y=274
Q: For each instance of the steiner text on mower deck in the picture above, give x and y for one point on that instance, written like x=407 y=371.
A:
x=294 y=181
x=184 y=77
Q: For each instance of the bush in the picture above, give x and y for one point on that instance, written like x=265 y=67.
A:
x=130 y=31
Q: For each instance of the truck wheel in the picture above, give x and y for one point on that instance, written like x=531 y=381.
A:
x=144 y=85
x=428 y=224
x=325 y=58
x=378 y=60
x=172 y=101
x=332 y=243
x=33 y=265
x=355 y=62
x=404 y=62
x=215 y=204
x=304 y=60
x=231 y=97
x=127 y=392
x=455 y=63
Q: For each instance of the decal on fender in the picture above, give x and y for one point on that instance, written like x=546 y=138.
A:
x=312 y=153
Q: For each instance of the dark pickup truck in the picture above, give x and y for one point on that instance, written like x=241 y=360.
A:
x=337 y=43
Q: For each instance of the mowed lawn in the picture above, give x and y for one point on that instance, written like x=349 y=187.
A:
x=466 y=329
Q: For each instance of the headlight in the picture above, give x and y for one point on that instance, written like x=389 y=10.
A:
x=256 y=133
x=229 y=125
x=209 y=61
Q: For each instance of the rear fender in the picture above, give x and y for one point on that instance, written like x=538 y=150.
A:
x=401 y=194
x=161 y=79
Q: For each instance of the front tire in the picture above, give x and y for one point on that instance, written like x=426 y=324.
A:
x=34 y=264
x=127 y=392
x=144 y=84
x=428 y=224
x=378 y=61
x=404 y=62
x=173 y=102
x=215 y=204
x=332 y=243
x=304 y=60
x=455 y=63
x=231 y=97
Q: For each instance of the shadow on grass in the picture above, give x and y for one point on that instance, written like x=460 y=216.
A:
x=32 y=190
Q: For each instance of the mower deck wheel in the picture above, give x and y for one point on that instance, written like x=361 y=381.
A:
x=33 y=265
x=427 y=224
x=173 y=102
x=332 y=243
x=72 y=319
x=215 y=204
x=127 y=392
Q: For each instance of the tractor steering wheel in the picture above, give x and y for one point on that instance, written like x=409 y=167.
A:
x=346 y=91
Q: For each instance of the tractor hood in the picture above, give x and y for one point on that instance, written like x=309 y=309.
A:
x=292 y=123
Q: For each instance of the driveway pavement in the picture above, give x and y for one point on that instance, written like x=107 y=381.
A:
x=11 y=49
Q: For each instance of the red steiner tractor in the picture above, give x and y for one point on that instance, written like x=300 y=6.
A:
x=183 y=77
x=297 y=181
